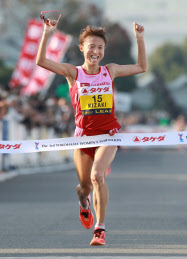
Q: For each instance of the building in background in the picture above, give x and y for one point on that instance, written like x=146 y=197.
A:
x=164 y=20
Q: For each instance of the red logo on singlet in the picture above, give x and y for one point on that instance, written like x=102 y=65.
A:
x=84 y=91
x=84 y=84
x=105 y=74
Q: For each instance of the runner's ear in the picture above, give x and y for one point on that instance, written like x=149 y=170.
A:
x=81 y=47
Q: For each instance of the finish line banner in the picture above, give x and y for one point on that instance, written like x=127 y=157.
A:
x=119 y=139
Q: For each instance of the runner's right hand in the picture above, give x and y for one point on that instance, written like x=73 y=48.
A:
x=50 y=25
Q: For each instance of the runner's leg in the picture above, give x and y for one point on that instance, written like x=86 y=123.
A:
x=83 y=164
x=103 y=158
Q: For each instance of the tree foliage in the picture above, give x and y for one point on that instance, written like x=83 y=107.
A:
x=170 y=60
x=5 y=73
x=118 y=51
x=184 y=51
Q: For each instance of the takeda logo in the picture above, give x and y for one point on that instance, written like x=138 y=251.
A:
x=137 y=139
x=8 y=146
x=84 y=91
x=95 y=90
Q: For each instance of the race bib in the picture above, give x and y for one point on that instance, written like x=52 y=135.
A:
x=96 y=104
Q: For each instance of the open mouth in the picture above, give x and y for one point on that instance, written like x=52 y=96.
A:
x=94 y=57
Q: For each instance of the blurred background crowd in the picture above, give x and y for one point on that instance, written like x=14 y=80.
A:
x=35 y=112
x=155 y=101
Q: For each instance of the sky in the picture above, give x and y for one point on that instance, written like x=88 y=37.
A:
x=163 y=20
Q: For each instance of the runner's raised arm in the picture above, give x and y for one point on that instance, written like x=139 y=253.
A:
x=64 y=69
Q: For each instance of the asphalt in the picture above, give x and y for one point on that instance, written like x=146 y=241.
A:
x=146 y=214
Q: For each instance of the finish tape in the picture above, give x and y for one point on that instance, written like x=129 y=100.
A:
x=119 y=139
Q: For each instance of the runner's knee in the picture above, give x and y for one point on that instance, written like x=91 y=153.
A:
x=97 y=175
x=86 y=188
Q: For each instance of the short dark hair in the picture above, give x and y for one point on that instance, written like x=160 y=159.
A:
x=92 y=31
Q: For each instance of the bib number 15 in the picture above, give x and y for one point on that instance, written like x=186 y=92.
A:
x=97 y=98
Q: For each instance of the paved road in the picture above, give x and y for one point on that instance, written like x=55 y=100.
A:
x=146 y=215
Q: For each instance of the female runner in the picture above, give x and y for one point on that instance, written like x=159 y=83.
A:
x=92 y=94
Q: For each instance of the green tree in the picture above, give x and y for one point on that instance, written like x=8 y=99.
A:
x=77 y=15
x=118 y=51
x=169 y=60
x=184 y=51
x=5 y=74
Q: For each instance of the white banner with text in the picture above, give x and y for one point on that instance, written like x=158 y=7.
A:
x=119 y=139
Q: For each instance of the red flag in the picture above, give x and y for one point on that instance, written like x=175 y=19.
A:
x=26 y=61
x=56 y=49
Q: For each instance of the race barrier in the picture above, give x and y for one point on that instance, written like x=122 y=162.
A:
x=12 y=130
x=119 y=139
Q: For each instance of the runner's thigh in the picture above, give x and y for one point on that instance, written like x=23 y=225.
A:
x=104 y=157
x=83 y=165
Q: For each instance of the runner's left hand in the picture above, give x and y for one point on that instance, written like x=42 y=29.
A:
x=138 y=30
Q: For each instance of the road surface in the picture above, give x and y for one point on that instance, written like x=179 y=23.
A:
x=146 y=214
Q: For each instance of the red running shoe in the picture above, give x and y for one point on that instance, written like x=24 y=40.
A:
x=86 y=216
x=98 y=238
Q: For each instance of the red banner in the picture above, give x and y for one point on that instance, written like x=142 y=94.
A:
x=26 y=61
x=42 y=78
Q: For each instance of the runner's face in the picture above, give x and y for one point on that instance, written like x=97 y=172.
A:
x=93 y=49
